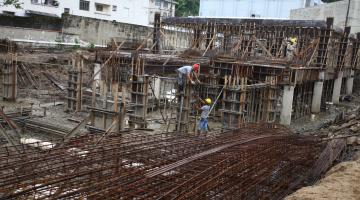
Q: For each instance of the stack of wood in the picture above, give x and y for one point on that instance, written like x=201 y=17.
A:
x=348 y=128
x=26 y=77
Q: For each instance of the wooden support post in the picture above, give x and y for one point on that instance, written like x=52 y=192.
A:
x=104 y=95
x=93 y=99
x=121 y=117
x=115 y=87
x=184 y=104
x=92 y=118
x=79 y=90
x=14 y=81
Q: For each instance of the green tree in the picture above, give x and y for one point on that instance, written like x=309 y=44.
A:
x=187 y=8
x=14 y=3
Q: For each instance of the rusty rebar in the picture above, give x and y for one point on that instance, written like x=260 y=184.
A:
x=252 y=162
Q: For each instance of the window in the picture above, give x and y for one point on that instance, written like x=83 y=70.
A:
x=103 y=8
x=166 y=4
x=9 y=13
x=157 y=2
x=84 y=5
x=126 y=12
x=99 y=7
x=54 y=3
x=114 y=8
x=67 y=10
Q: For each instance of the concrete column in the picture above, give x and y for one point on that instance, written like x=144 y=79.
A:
x=317 y=94
x=157 y=86
x=337 y=88
x=287 y=101
x=316 y=100
x=97 y=68
x=350 y=83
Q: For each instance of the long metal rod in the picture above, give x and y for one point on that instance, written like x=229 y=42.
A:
x=139 y=165
x=347 y=13
x=215 y=102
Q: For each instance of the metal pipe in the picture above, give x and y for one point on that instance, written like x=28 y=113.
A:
x=347 y=13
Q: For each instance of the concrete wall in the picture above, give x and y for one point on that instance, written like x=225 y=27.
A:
x=28 y=34
x=33 y=22
x=85 y=30
x=337 y=10
x=101 y=31
x=176 y=39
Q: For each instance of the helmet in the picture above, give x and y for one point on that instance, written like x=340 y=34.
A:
x=208 y=101
x=293 y=40
x=196 y=67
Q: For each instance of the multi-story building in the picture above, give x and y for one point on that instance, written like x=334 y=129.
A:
x=166 y=8
x=252 y=8
x=345 y=13
x=139 y=12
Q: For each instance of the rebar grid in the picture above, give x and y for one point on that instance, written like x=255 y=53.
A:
x=236 y=164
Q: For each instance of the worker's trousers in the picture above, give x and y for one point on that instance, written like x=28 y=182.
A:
x=181 y=78
x=203 y=125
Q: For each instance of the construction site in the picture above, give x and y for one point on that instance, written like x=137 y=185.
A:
x=111 y=122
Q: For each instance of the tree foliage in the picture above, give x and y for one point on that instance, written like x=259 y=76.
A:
x=16 y=3
x=187 y=8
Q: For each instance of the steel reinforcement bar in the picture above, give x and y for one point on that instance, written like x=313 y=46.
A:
x=256 y=161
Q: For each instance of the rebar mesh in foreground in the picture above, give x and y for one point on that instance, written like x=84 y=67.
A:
x=254 y=162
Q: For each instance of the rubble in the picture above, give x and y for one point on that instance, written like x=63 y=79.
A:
x=341 y=182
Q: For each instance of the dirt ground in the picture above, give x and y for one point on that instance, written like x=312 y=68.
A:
x=341 y=182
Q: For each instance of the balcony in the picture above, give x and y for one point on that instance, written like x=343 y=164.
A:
x=49 y=3
x=102 y=9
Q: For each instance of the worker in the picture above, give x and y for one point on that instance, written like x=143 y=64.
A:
x=291 y=48
x=205 y=111
x=185 y=73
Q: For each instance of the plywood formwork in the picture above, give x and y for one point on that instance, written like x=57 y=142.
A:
x=111 y=94
x=139 y=94
x=250 y=54
x=75 y=85
x=266 y=39
x=260 y=46
x=9 y=78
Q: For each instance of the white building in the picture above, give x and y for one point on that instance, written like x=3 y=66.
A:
x=166 y=8
x=252 y=8
x=139 y=12
x=345 y=13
